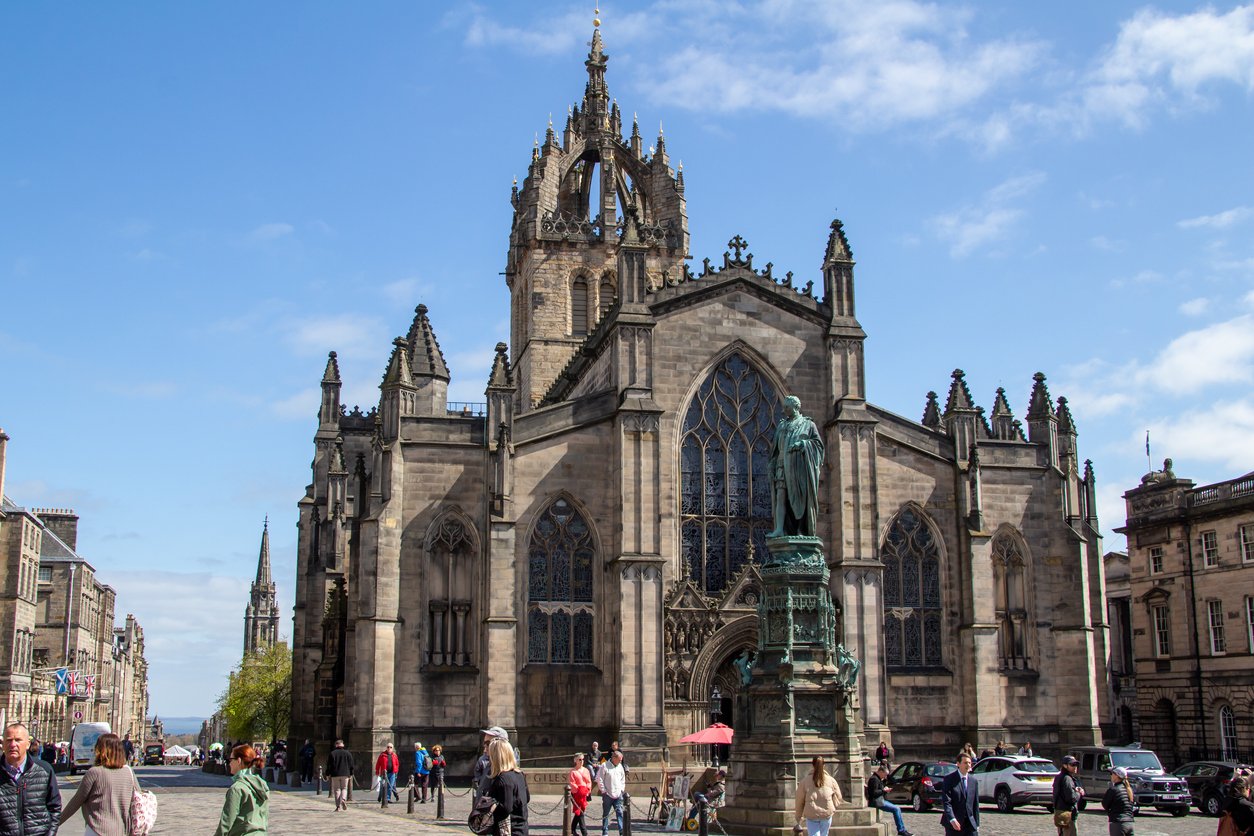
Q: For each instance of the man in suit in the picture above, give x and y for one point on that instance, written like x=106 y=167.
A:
x=961 y=797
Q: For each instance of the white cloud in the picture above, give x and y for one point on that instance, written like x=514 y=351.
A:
x=346 y=333
x=971 y=227
x=1222 y=353
x=1195 y=307
x=299 y=406
x=1109 y=245
x=1221 y=220
x=1141 y=278
x=1221 y=432
x=271 y=232
x=404 y=291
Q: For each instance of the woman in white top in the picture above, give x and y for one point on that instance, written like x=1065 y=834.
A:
x=817 y=798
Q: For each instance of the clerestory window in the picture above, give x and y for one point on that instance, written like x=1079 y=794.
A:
x=559 y=587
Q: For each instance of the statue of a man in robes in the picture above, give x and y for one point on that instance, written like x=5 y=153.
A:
x=796 y=457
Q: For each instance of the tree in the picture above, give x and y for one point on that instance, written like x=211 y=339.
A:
x=257 y=703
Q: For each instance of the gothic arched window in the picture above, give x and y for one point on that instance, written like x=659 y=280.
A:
x=912 y=594
x=450 y=585
x=724 y=456
x=605 y=297
x=1010 y=590
x=559 y=587
x=579 y=307
x=1227 y=732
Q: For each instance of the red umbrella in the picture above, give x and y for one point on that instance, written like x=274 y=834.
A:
x=717 y=733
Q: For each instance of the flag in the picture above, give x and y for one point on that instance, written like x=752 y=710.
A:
x=71 y=684
x=63 y=680
x=89 y=684
x=1147 y=443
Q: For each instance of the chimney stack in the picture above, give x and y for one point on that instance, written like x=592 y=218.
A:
x=63 y=522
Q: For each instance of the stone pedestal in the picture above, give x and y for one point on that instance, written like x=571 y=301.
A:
x=801 y=703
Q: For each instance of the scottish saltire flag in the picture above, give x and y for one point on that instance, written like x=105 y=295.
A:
x=63 y=680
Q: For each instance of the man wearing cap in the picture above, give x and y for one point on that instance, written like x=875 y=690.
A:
x=1067 y=795
x=961 y=797
x=483 y=767
x=422 y=772
x=1119 y=803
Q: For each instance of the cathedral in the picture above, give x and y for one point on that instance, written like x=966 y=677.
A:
x=578 y=557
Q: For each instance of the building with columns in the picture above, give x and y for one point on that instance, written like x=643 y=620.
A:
x=261 y=617
x=578 y=557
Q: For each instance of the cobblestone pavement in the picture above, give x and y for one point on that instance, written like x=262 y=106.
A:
x=190 y=802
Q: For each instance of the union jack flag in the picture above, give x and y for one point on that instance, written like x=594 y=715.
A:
x=63 y=680
x=89 y=684
x=72 y=683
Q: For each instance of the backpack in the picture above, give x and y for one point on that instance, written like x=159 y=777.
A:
x=482 y=815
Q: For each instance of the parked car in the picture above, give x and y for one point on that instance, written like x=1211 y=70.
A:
x=1151 y=785
x=917 y=783
x=154 y=754
x=1208 y=783
x=1014 y=781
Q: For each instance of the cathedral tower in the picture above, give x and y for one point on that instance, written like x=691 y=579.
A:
x=570 y=217
x=261 y=619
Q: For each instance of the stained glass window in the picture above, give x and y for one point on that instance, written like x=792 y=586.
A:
x=912 y=595
x=559 y=576
x=1010 y=603
x=725 y=484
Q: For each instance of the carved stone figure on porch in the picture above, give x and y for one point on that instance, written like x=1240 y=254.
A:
x=796 y=458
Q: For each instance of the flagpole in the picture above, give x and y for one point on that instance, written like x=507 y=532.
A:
x=1149 y=461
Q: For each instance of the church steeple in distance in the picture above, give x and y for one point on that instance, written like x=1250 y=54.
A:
x=261 y=618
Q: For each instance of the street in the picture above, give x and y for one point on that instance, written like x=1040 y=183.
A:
x=191 y=800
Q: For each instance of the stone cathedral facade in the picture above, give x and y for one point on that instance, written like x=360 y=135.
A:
x=578 y=558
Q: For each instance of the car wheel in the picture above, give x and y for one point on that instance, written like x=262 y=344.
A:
x=1002 y=797
x=1212 y=805
x=916 y=803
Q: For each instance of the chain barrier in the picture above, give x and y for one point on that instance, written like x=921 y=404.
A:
x=552 y=809
x=459 y=794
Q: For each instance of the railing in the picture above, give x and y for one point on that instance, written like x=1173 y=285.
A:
x=466 y=409
x=1199 y=753
x=1235 y=489
x=565 y=226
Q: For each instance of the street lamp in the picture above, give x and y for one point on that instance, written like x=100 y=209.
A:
x=716 y=711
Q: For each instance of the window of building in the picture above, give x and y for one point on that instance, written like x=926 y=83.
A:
x=1215 y=617
x=1156 y=560
x=606 y=299
x=450 y=590
x=45 y=574
x=912 y=600
x=1162 y=630
x=1247 y=543
x=1228 y=732
x=579 y=307
x=1011 y=600
x=559 y=587
x=1210 y=549
x=1249 y=622
x=725 y=484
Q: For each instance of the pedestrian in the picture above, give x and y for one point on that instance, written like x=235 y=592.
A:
x=969 y=750
x=1000 y=749
x=340 y=768
x=105 y=791
x=882 y=753
x=483 y=767
x=307 y=754
x=1067 y=796
x=595 y=758
x=386 y=768
x=246 y=809
x=507 y=786
x=1118 y=803
x=438 y=766
x=614 y=747
x=612 y=783
x=715 y=794
x=128 y=748
x=422 y=771
x=30 y=803
x=961 y=797
x=1026 y=749
x=876 y=797
x=818 y=796
x=580 y=786
x=1239 y=806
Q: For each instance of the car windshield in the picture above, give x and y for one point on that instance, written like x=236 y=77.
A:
x=1135 y=760
x=940 y=770
x=1036 y=766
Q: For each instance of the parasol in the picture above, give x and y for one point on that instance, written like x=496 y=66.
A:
x=716 y=733
x=213 y=747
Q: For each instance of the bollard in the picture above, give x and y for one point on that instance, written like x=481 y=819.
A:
x=352 y=779
x=703 y=820
x=318 y=791
x=439 y=800
x=626 y=813
x=385 y=795
x=411 y=791
x=567 y=812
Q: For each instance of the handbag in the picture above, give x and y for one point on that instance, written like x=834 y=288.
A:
x=143 y=812
x=1227 y=826
x=482 y=816
x=1062 y=819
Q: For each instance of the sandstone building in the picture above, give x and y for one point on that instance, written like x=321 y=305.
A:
x=261 y=617
x=1191 y=579
x=578 y=558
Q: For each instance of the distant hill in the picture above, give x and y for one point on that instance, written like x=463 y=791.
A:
x=182 y=725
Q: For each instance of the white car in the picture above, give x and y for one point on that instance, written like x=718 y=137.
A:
x=1013 y=781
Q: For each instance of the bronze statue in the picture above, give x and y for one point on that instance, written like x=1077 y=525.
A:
x=796 y=457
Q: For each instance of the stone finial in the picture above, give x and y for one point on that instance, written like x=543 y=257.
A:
x=1040 y=406
x=397 y=373
x=1066 y=424
x=332 y=373
x=1004 y=425
x=931 y=412
x=959 y=394
x=502 y=376
x=426 y=358
x=837 y=245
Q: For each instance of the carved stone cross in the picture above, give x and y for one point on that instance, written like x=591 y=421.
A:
x=738 y=244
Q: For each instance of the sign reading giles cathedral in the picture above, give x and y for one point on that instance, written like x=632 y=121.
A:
x=579 y=558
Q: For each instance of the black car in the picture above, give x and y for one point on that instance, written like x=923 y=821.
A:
x=916 y=784
x=1208 y=783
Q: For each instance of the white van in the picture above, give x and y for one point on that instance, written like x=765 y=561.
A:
x=83 y=745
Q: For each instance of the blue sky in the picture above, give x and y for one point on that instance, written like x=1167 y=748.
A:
x=198 y=201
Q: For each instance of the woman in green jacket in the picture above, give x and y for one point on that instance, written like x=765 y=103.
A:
x=246 y=806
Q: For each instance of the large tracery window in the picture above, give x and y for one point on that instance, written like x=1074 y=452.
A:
x=1010 y=588
x=559 y=587
x=725 y=450
x=912 y=595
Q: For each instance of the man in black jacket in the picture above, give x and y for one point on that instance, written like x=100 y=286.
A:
x=876 y=797
x=30 y=803
x=340 y=768
x=1067 y=795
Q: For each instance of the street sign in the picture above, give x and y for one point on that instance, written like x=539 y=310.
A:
x=78 y=715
